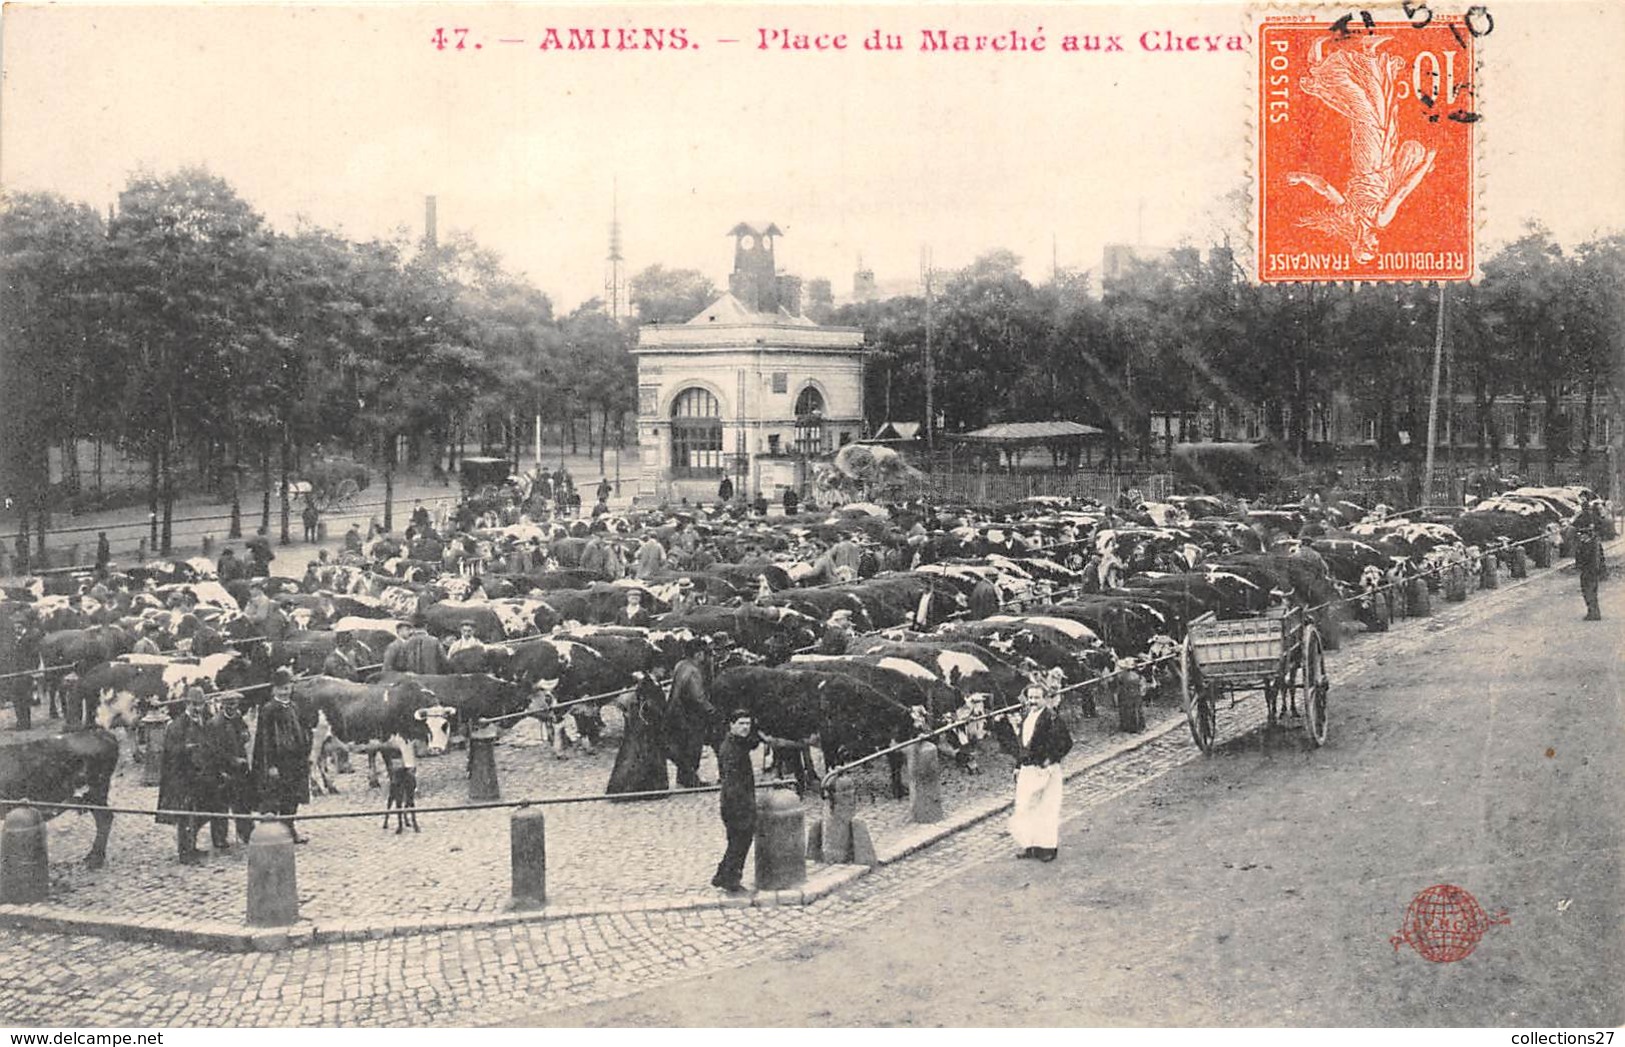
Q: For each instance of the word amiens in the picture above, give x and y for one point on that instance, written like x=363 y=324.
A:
x=1157 y=40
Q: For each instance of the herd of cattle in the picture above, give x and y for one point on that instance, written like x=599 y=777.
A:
x=949 y=614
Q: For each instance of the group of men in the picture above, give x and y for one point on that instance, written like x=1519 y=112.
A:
x=207 y=767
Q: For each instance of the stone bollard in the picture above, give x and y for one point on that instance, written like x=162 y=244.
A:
x=141 y=549
x=1129 y=690
x=1455 y=583
x=924 y=784
x=838 y=814
x=781 y=841
x=527 y=844
x=1418 y=604
x=321 y=530
x=1520 y=563
x=208 y=545
x=273 y=886
x=24 y=865
x=152 y=769
x=1489 y=573
x=482 y=766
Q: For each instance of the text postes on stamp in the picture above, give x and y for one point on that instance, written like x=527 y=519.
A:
x=1365 y=150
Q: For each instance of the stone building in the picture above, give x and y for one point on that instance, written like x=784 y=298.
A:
x=749 y=388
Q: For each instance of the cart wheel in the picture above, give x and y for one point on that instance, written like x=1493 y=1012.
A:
x=1315 y=686
x=1202 y=718
x=1198 y=699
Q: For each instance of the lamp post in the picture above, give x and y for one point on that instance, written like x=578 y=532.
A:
x=1433 y=399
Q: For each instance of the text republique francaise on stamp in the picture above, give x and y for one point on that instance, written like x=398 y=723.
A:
x=1365 y=149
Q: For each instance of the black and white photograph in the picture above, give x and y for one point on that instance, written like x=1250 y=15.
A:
x=750 y=516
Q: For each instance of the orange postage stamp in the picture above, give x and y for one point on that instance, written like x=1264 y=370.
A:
x=1366 y=136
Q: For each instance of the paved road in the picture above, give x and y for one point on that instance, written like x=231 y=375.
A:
x=1260 y=886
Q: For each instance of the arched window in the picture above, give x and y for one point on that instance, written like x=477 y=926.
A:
x=810 y=422
x=810 y=402
x=696 y=434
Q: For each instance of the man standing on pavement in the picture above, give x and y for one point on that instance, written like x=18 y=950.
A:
x=310 y=517
x=228 y=758
x=104 y=554
x=1035 y=821
x=183 y=782
x=738 y=781
x=1588 y=557
x=281 y=763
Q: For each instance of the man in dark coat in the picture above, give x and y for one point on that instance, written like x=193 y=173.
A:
x=738 y=799
x=230 y=568
x=225 y=760
x=342 y=663
x=725 y=490
x=792 y=501
x=423 y=653
x=309 y=518
x=688 y=710
x=634 y=613
x=259 y=550
x=104 y=553
x=281 y=763
x=604 y=489
x=184 y=782
x=395 y=654
x=1588 y=557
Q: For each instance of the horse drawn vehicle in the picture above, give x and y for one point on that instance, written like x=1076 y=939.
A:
x=1278 y=652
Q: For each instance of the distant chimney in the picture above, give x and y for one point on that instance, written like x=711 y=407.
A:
x=430 y=238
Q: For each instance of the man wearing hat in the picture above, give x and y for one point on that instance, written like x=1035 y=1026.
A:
x=281 y=762
x=837 y=633
x=465 y=639
x=226 y=761
x=683 y=598
x=147 y=644
x=341 y=663
x=183 y=782
x=633 y=613
x=1035 y=820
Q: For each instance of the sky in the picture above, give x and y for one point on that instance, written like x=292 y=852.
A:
x=348 y=116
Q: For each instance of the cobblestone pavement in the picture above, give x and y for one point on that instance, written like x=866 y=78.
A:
x=354 y=871
x=518 y=974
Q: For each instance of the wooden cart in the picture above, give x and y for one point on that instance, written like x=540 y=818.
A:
x=1279 y=653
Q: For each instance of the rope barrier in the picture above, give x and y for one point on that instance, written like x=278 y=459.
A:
x=543 y=801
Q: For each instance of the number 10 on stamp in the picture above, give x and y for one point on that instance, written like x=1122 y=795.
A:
x=1365 y=150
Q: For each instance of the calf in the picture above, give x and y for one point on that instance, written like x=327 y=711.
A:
x=403 y=786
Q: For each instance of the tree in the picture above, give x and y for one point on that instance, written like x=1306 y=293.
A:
x=820 y=300
x=50 y=253
x=183 y=261
x=670 y=296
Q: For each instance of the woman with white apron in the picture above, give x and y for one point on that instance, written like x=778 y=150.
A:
x=1035 y=821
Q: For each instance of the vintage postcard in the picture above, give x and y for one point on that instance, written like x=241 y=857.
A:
x=990 y=515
